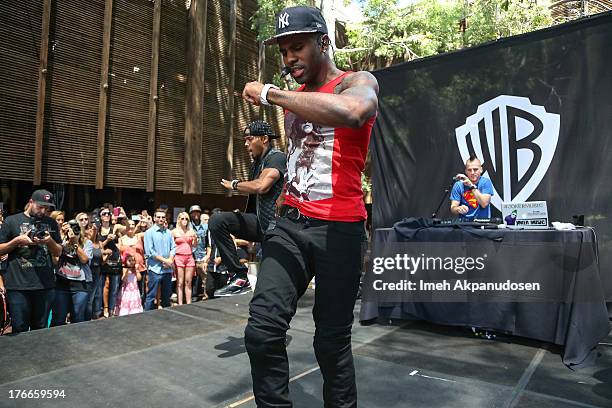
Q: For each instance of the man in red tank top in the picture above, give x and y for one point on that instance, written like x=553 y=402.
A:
x=328 y=122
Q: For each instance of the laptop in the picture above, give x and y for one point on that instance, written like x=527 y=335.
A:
x=527 y=215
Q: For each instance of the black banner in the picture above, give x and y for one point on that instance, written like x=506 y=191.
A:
x=536 y=109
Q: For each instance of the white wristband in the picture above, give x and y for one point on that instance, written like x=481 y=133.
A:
x=264 y=93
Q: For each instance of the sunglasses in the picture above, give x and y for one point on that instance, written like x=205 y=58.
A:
x=103 y=214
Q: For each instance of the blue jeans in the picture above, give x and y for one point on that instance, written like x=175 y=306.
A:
x=67 y=301
x=114 y=284
x=165 y=280
x=29 y=308
x=94 y=306
x=142 y=287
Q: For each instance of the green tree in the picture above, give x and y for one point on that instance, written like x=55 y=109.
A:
x=390 y=34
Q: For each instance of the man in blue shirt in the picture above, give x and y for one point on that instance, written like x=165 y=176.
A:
x=159 y=251
x=471 y=194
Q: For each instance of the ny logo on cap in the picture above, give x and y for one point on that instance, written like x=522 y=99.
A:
x=283 y=20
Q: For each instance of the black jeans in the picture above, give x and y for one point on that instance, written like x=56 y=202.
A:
x=114 y=285
x=29 y=308
x=294 y=252
x=142 y=287
x=241 y=225
x=94 y=305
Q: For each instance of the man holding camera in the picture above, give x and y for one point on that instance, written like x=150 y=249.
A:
x=30 y=239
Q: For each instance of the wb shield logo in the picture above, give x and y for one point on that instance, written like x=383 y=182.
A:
x=515 y=141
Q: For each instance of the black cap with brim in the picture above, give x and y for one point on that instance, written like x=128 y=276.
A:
x=298 y=20
x=43 y=198
x=260 y=128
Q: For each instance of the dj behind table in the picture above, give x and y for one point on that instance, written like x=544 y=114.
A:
x=541 y=284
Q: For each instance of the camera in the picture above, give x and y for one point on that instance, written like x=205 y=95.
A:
x=95 y=219
x=38 y=230
x=74 y=225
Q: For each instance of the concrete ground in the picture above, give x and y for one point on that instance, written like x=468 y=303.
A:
x=194 y=356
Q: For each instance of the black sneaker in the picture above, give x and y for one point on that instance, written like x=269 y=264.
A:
x=237 y=286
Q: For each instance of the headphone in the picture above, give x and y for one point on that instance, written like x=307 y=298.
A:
x=323 y=42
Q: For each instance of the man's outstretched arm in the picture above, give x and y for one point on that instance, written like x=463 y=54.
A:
x=354 y=102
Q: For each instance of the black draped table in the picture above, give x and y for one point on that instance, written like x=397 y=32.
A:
x=567 y=260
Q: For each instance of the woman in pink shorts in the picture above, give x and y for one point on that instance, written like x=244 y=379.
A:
x=185 y=239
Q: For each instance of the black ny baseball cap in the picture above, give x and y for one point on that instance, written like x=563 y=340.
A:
x=44 y=198
x=259 y=128
x=298 y=20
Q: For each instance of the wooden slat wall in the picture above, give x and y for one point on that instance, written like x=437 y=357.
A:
x=172 y=87
x=246 y=58
x=247 y=52
x=274 y=115
x=73 y=84
x=73 y=81
x=194 y=97
x=130 y=69
x=39 y=135
x=19 y=54
x=103 y=93
x=216 y=78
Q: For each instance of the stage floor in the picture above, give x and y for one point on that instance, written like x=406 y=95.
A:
x=194 y=356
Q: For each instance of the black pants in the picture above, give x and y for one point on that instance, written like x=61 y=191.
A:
x=294 y=252
x=241 y=225
x=29 y=308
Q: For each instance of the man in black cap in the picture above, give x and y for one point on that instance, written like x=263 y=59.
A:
x=263 y=187
x=30 y=239
x=201 y=252
x=328 y=122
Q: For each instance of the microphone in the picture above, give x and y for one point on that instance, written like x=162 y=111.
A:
x=285 y=71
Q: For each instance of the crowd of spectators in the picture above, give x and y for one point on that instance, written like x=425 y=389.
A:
x=106 y=262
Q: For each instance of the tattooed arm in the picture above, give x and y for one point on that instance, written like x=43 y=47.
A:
x=355 y=101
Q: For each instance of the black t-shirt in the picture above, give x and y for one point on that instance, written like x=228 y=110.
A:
x=28 y=267
x=113 y=263
x=72 y=285
x=264 y=205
